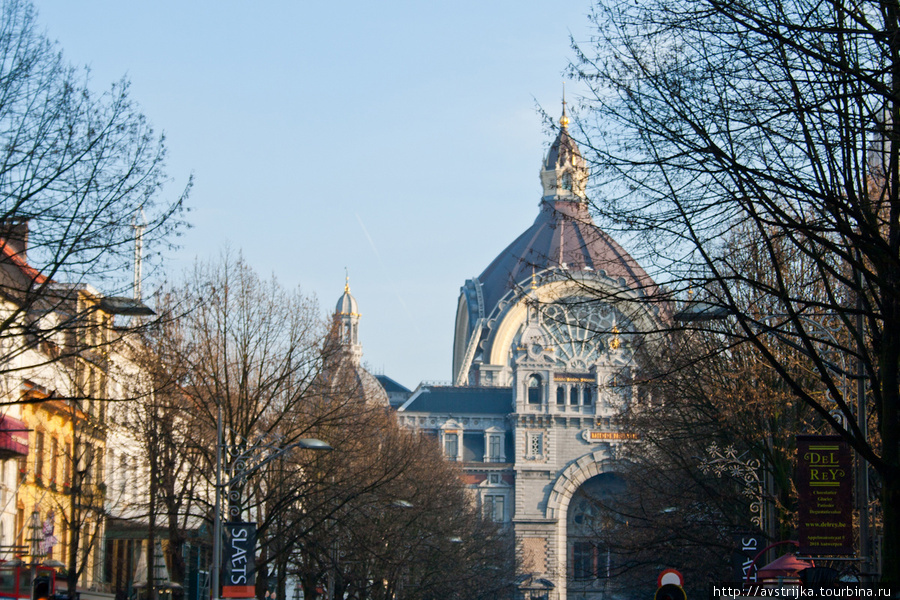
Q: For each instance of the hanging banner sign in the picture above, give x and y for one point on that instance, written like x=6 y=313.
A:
x=239 y=561
x=825 y=495
x=746 y=547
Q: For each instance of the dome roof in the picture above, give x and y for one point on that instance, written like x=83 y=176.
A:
x=372 y=390
x=346 y=304
x=562 y=236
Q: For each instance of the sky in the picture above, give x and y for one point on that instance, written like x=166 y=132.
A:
x=401 y=141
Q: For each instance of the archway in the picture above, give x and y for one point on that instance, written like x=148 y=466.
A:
x=566 y=493
x=592 y=525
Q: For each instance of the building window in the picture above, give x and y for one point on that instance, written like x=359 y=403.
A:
x=67 y=461
x=573 y=395
x=590 y=561
x=494 y=478
x=535 y=445
x=495 y=507
x=20 y=527
x=561 y=394
x=587 y=396
x=38 y=454
x=64 y=540
x=535 y=389
x=495 y=448
x=99 y=472
x=86 y=470
x=123 y=474
x=54 y=452
x=451 y=445
x=584 y=564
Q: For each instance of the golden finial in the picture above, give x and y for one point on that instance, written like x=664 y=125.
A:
x=533 y=280
x=615 y=343
x=564 y=120
x=346 y=280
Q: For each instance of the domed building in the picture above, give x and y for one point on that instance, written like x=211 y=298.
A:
x=346 y=328
x=544 y=356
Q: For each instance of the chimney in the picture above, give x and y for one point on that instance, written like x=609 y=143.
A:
x=14 y=235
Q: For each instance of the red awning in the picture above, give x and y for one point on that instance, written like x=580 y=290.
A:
x=785 y=566
x=13 y=438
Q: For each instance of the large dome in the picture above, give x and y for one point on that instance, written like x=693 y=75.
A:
x=562 y=236
x=563 y=245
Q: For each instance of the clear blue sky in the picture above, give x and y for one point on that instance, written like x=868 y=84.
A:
x=399 y=139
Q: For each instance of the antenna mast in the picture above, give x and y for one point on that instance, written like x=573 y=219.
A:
x=140 y=223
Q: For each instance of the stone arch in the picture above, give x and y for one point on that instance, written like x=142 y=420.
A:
x=500 y=343
x=571 y=478
x=567 y=483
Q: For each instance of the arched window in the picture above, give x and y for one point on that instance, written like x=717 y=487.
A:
x=561 y=394
x=566 y=181
x=123 y=474
x=573 y=395
x=535 y=389
x=451 y=446
x=588 y=396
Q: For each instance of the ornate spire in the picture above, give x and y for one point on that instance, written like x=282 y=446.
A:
x=564 y=119
x=564 y=172
x=346 y=313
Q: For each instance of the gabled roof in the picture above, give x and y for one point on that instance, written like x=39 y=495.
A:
x=8 y=253
x=451 y=399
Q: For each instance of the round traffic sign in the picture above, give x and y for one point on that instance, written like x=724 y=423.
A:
x=670 y=576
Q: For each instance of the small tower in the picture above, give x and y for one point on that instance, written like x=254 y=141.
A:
x=346 y=315
x=564 y=173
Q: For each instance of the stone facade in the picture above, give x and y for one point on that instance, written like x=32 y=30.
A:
x=544 y=359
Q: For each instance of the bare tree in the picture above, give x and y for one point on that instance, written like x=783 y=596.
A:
x=359 y=520
x=715 y=458
x=767 y=127
x=258 y=354
x=396 y=522
x=78 y=171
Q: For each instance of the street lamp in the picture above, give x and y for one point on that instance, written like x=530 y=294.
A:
x=305 y=443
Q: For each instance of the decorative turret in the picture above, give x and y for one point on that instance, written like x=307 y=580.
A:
x=564 y=173
x=346 y=315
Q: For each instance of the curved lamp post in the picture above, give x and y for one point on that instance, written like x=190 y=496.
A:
x=305 y=443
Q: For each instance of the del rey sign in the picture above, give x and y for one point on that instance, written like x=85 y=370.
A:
x=825 y=495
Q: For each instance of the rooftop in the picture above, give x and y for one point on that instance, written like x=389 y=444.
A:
x=451 y=399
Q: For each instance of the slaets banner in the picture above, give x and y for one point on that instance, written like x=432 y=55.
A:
x=240 y=561
x=825 y=495
x=747 y=546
